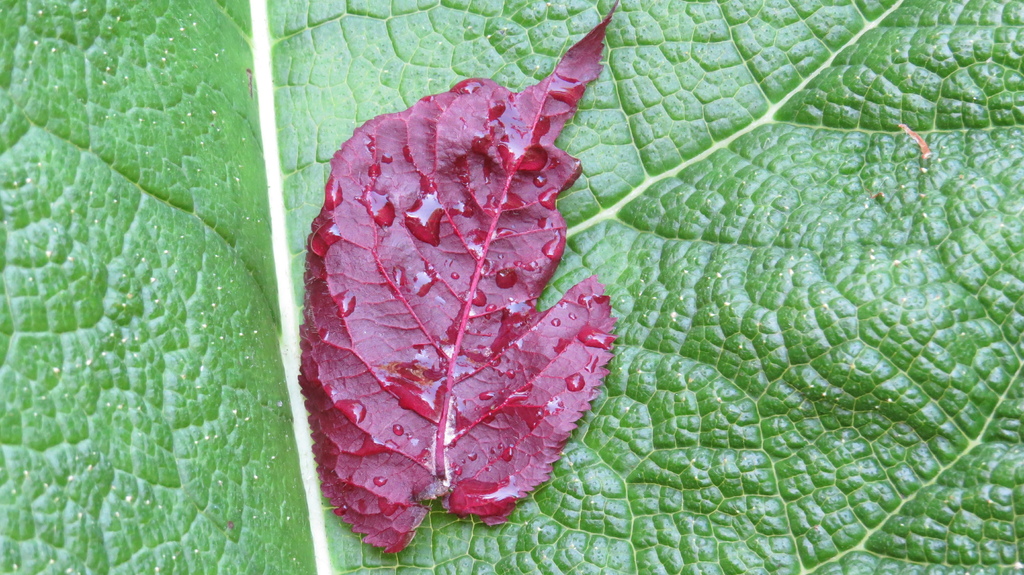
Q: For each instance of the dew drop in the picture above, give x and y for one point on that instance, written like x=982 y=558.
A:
x=387 y=507
x=481 y=144
x=472 y=456
x=506 y=278
x=407 y=154
x=352 y=409
x=457 y=470
x=575 y=382
x=322 y=240
x=455 y=275
x=592 y=300
x=424 y=219
x=512 y=202
x=490 y=307
x=539 y=180
x=554 y=248
x=534 y=158
x=381 y=209
x=480 y=299
x=332 y=193
x=475 y=240
x=346 y=305
x=547 y=197
x=467 y=86
x=486 y=396
x=386 y=158
x=373 y=171
x=543 y=126
x=556 y=322
x=380 y=481
x=506 y=454
x=421 y=283
x=398 y=429
x=591 y=337
x=496 y=111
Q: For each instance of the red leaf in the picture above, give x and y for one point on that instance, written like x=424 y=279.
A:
x=427 y=370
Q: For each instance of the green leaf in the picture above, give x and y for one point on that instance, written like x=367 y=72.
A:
x=818 y=368
x=144 y=420
x=819 y=363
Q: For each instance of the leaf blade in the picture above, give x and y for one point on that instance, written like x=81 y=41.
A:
x=682 y=248
x=133 y=245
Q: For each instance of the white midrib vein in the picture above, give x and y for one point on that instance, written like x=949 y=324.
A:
x=289 y=343
x=612 y=211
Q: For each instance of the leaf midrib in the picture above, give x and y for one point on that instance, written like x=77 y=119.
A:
x=289 y=341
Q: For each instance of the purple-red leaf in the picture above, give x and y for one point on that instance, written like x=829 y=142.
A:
x=427 y=369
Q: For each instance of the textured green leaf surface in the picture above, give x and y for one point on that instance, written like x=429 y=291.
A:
x=144 y=424
x=818 y=368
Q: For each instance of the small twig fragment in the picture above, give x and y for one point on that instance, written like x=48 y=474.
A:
x=926 y=152
x=248 y=72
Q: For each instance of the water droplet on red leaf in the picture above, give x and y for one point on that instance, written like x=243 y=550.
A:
x=467 y=86
x=398 y=429
x=591 y=337
x=542 y=127
x=589 y=301
x=423 y=220
x=332 y=193
x=534 y=159
x=506 y=454
x=481 y=144
x=512 y=202
x=475 y=241
x=556 y=322
x=554 y=248
x=547 y=197
x=480 y=298
x=422 y=283
x=496 y=111
x=506 y=278
x=352 y=409
x=575 y=382
x=381 y=209
x=380 y=481
x=346 y=304
x=486 y=396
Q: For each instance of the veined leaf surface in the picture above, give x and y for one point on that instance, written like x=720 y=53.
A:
x=818 y=355
x=144 y=422
x=819 y=344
